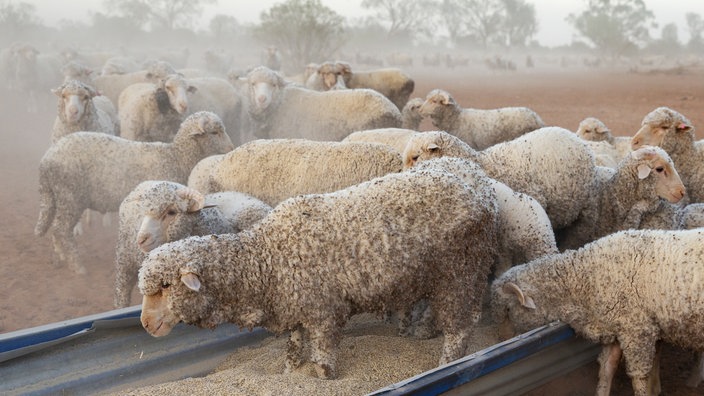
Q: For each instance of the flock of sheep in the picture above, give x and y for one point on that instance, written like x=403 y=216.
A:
x=295 y=202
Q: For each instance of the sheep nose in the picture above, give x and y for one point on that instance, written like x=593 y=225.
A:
x=143 y=241
x=261 y=99
x=635 y=143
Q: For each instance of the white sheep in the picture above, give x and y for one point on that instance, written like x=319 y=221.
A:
x=327 y=76
x=627 y=291
x=621 y=202
x=391 y=82
x=152 y=112
x=319 y=259
x=156 y=212
x=673 y=132
x=89 y=170
x=275 y=169
x=222 y=98
x=112 y=85
x=199 y=178
x=77 y=71
x=594 y=130
x=551 y=164
x=410 y=114
x=478 y=128
x=395 y=137
x=76 y=111
x=281 y=110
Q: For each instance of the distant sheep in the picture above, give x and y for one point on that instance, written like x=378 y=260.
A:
x=410 y=114
x=89 y=170
x=614 y=148
x=281 y=110
x=322 y=258
x=77 y=112
x=478 y=128
x=112 y=85
x=393 y=83
x=157 y=212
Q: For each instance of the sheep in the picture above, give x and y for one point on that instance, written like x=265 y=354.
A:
x=119 y=65
x=641 y=180
x=550 y=164
x=111 y=85
x=479 y=128
x=393 y=83
x=275 y=169
x=89 y=170
x=626 y=291
x=35 y=73
x=525 y=231
x=673 y=132
x=77 y=112
x=320 y=258
x=156 y=212
x=152 y=112
x=326 y=77
x=280 y=110
x=607 y=147
x=219 y=96
x=410 y=115
x=199 y=178
x=394 y=137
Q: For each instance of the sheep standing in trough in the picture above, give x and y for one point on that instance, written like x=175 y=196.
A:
x=621 y=202
x=152 y=112
x=76 y=111
x=156 y=212
x=89 y=170
x=391 y=82
x=372 y=247
x=281 y=110
x=551 y=164
x=275 y=169
x=410 y=114
x=627 y=291
x=673 y=132
x=478 y=128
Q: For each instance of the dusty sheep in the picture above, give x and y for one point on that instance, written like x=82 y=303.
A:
x=76 y=111
x=609 y=149
x=327 y=76
x=641 y=180
x=391 y=82
x=673 y=132
x=410 y=114
x=395 y=137
x=89 y=170
x=222 y=98
x=626 y=291
x=478 y=128
x=534 y=164
x=152 y=112
x=275 y=169
x=281 y=110
x=156 y=212
x=199 y=178
x=112 y=85
x=322 y=258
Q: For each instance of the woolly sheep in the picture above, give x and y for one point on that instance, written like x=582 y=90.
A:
x=77 y=112
x=327 y=76
x=152 y=112
x=77 y=71
x=368 y=248
x=275 y=169
x=479 y=128
x=626 y=291
x=673 y=132
x=410 y=115
x=112 y=85
x=593 y=129
x=219 y=96
x=391 y=82
x=641 y=180
x=280 y=110
x=534 y=164
x=199 y=178
x=156 y=212
x=89 y=170
x=394 y=137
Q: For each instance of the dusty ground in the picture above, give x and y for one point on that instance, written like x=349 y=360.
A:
x=37 y=293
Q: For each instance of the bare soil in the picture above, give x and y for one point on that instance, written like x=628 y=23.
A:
x=35 y=292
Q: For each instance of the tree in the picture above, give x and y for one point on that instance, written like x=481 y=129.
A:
x=160 y=14
x=403 y=18
x=16 y=19
x=520 y=23
x=484 y=19
x=695 y=26
x=303 y=30
x=614 y=27
x=224 y=26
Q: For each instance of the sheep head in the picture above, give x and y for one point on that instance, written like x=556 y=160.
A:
x=264 y=89
x=74 y=99
x=177 y=89
x=663 y=127
x=209 y=132
x=435 y=101
x=593 y=129
x=655 y=161
x=424 y=146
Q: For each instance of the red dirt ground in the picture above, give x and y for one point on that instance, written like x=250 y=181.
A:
x=37 y=293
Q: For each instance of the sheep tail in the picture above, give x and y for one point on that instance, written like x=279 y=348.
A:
x=47 y=209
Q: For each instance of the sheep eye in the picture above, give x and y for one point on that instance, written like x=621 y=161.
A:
x=415 y=157
x=165 y=285
x=171 y=212
x=659 y=169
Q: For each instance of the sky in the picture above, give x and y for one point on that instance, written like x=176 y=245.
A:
x=553 y=29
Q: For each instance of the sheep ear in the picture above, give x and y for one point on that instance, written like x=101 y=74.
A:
x=191 y=89
x=433 y=147
x=643 y=171
x=682 y=127
x=56 y=91
x=196 y=200
x=191 y=281
x=445 y=98
x=525 y=301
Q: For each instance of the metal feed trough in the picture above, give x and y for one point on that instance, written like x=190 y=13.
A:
x=110 y=352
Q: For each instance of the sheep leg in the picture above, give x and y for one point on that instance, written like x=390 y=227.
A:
x=608 y=363
x=654 y=375
x=125 y=279
x=454 y=346
x=324 y=341
x=639 y=354
x=425 y=323
x=294 y=350
x=64 y=224
x=696 y=377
